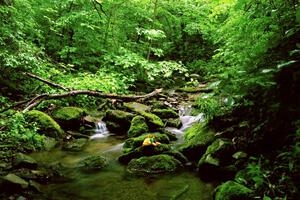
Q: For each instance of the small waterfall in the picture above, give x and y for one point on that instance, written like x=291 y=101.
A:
x=101 y=130
x=187 y=121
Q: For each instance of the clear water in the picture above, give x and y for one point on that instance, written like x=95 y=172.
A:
x=112 y=182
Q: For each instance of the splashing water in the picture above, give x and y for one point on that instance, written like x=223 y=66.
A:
x=101 y=130
x=187 y=121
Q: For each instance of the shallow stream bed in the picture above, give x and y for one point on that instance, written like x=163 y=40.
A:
x=113 y=182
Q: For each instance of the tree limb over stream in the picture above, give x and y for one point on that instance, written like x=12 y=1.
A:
x=43 y=97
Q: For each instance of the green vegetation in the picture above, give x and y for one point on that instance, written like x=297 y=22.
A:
x=138 y=127
x=238 y=60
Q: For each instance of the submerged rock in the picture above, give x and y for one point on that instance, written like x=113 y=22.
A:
x=92 y=163
x=138 y=127
x=75 y=145
x=69 y=118
x=45 y=123
x=152 y=165
x=24 y=161
x=231 y=190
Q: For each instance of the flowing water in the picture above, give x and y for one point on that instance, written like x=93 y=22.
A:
x=113 y=182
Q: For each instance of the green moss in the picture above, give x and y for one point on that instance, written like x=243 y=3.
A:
x=68 y=113
x=231 y=190
x=91 y=163
x=153 y=165
x=199 y=134
x=173 y=122
x=165 y=113
x=45 y=123
x=153 y=120
x=215 y=152
x=132 y=143
x=136 y=107
x=138 y=127
x=193 y=89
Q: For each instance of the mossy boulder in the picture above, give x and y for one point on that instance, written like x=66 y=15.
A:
x=136 y=107
x=118 y=121
x=217 y=156
x=153 y=121
x=12 y=182
x=197 y=139
x=92 y=163
x=171 y=136
x=45 y=123
x=231 y=190
x=152 y=165
x=70 y=118
x=173 y=122
x=165 y=113
x=136 y=142
x=24 y=161
x=143 y=151
x=138 y=127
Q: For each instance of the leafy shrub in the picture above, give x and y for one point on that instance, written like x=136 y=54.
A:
x=16 y=131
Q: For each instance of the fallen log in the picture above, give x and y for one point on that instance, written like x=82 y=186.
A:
x=38 y=99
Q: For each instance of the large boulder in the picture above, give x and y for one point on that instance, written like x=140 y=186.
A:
x=197 y=139
x=165 y=113
x=24 y=161
x=152 y=165
x=118 y=121
x=70 y=118
x=45 y=123
x=92 y=163
x=217 y=156
x=231 y=190
x=153 y=121
x=138 y=127
x=143 y=151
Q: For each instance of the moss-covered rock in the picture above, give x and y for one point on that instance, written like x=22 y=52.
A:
x=171 y=122
x=215 y=160
x=136 y=107
x=136 y=142
x=143 y=151
x=165 y=113
x=118 y=121
x=197 y=139
x=45 y=123
x=92 y=163
x=24 y=161
x=171 y=136
x=152 y=165
x=13 y=182
x=231 y=190
x=138 y=127
x=153 y=121
x=69 y=118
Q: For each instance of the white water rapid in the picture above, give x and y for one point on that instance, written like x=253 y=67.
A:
x=100 y=131
x=187 y=121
